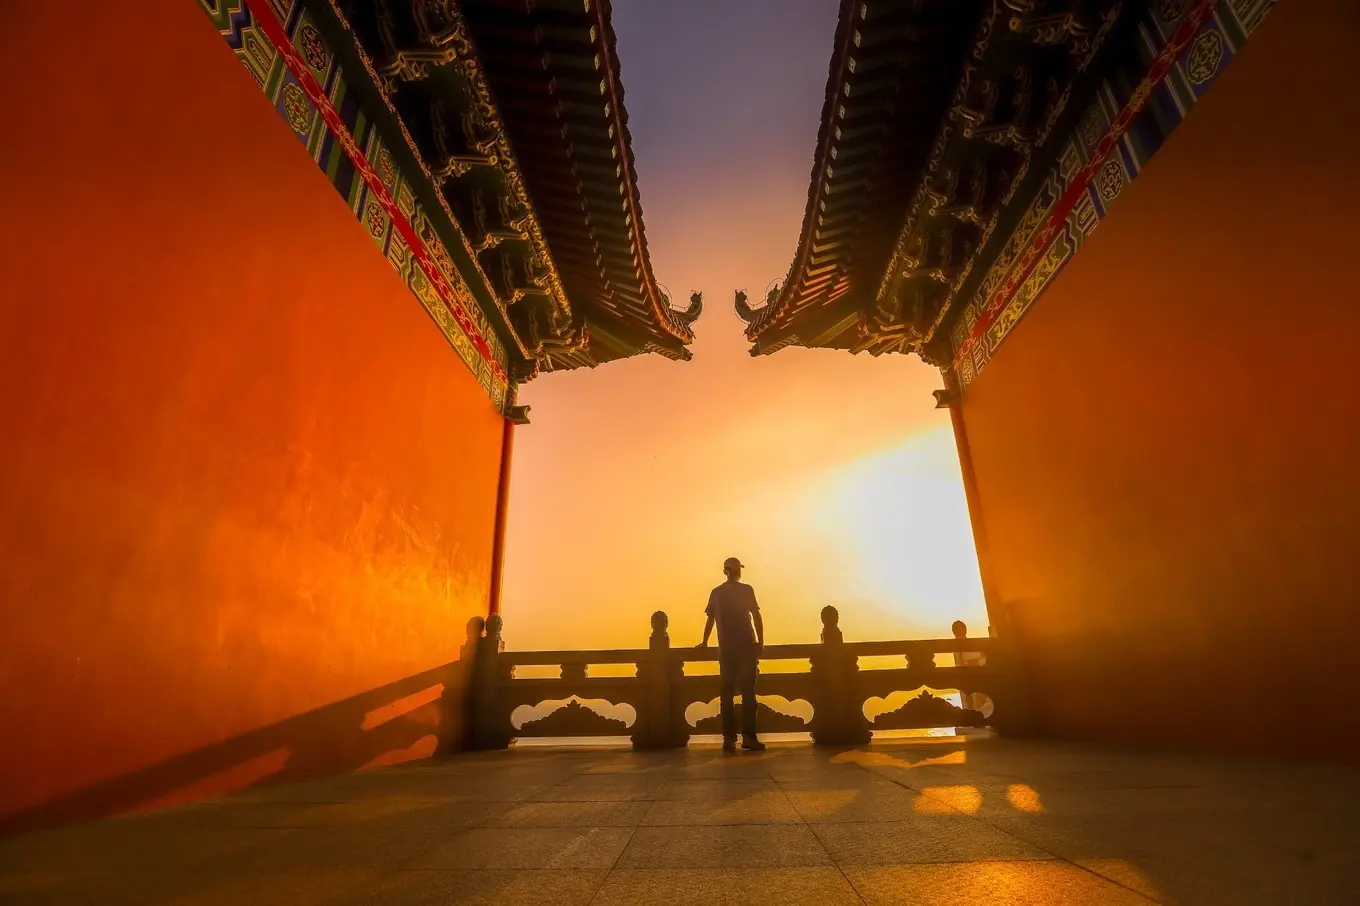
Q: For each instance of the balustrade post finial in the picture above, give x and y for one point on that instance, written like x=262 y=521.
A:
x=660 y=637
x=831 y=630
x=838 y=712
x=661 y=716
x=475 y=627
x=491 y=727
x=493 y=632
x=457 y=702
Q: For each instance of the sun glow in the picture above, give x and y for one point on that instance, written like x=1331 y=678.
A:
x=900 y=519
x=884 y=536
x=832 y=476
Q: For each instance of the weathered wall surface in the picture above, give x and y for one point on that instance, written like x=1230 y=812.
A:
x=1165 y=449
x=243 y=479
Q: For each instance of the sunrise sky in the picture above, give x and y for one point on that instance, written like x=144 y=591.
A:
x=832 y=476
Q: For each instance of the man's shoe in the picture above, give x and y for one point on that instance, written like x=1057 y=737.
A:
x=729 y=745
x=753 y=745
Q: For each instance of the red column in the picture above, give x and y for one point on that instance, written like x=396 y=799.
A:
x=974 y=510
x=502 y=502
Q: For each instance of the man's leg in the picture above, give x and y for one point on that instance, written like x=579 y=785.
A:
x=748 y=699
x=729 y=718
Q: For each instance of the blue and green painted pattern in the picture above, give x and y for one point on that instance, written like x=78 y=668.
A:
x=237 y=25
x=1196 y=68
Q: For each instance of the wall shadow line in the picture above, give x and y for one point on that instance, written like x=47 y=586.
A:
x=340 y=737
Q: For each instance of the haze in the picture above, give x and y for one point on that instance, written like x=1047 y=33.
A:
x=831 y=476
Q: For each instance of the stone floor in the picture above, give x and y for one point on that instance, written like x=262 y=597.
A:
x=929 y=821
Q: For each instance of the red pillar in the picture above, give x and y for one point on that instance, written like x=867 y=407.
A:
x=970 y=494
x=502 y=502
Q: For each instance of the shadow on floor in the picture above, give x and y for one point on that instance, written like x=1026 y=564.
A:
x=942 y=821
x=414 y=717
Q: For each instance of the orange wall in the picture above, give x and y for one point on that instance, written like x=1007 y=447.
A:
x=242 y=476
x=1166 y=448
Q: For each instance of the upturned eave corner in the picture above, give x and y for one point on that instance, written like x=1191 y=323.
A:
x=902 y=216
x=456 y=80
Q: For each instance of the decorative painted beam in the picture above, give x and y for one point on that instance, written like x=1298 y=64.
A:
x=284 y=51
x=1193 y=41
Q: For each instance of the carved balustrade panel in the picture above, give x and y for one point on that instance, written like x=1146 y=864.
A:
x=646 y=693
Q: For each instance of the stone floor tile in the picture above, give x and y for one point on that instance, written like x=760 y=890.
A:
x=361 y=787
x=730 y=846
x=715 y=790
x=300 y=886
x=757 y=807
x=1097 y=836
x=991 y=821
x=1024 y=883
x=127 y=846
x=543 y=887
x=817 y=805
x=528 y=848
x=332 y=849
x=377 y=811
x=724 y=766
x=601 y=788
x=815 y=886
x=572 y=814
x=1234 y=876
x=926 y=839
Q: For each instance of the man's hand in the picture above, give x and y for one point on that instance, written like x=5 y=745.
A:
x=703 y=644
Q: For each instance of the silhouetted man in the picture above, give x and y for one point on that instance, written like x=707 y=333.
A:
x=733 y=609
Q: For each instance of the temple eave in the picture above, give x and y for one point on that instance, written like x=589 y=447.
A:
x=504 y=110
x=901 y=217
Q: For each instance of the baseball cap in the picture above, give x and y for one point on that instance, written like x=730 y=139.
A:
x=731 y=562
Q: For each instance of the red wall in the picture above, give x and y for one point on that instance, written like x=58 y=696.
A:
x=242 y=475
x=1166 y=449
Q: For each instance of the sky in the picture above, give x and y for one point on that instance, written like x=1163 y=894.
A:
x=831 y=476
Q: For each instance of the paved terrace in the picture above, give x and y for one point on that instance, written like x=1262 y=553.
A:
x=986 y=822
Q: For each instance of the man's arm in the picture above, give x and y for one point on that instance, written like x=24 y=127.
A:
x=755 y=618
x=708 y=626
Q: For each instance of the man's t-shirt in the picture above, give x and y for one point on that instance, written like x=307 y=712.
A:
x=731 y=605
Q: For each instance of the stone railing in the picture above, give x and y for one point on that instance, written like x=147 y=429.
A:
x=660 y=692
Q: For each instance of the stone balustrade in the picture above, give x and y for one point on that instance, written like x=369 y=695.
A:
x=659 y=692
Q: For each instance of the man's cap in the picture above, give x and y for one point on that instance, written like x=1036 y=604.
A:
x=733 y=562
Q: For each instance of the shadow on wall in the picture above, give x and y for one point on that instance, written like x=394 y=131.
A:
x=414 y=717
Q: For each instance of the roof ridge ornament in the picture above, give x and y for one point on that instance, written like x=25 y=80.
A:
x=755 y=316
x=484 y=65
x=696 y=308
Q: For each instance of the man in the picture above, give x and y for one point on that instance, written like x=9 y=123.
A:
x=733 y=609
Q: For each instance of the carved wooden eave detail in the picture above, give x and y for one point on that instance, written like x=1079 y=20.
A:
x=452 y=162
x=441 y=39
x=899 y=322
x=335 y=16
x=1000 y=89
x=1072 y=24
x=890 y=82
x=492 y=148
x=1011 y=108
x=555 y=77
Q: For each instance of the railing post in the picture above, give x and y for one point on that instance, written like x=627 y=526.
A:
x=838 y=712
x=661 y=711
x=459 y=692
x=1010 y=692
x=490 y=715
